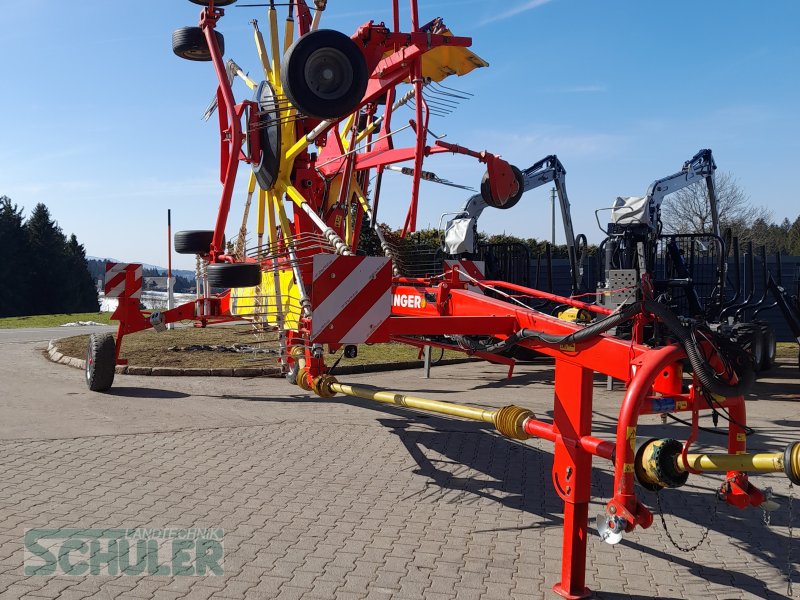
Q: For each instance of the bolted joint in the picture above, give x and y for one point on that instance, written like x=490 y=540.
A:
x=656 y=465
x=510 y=421
x=322 y=385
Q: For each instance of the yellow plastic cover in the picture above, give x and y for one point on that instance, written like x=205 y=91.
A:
x=444 y=61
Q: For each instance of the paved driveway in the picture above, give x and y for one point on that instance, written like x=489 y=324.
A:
x=348 y=499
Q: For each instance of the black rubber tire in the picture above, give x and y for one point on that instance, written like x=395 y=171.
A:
x=100 y=362
x=193 y=241
x=750 y=338
x=216 y=2
x=486 y=190
x=324 y=58
x=269 y=132
x=234 y=275
x=770 y=345
x=190 y=43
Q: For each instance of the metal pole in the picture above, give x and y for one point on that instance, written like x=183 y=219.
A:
x=553 y=216
x=170 y=296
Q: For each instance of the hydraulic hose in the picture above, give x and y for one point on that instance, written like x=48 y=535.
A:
x=701 y=368
x=581 y=335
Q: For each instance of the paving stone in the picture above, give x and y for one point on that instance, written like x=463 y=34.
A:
x=348 y=501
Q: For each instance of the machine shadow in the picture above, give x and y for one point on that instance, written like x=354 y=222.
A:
x=475 y=465
x=465 y=463
x=717 y=575
x=136 y=392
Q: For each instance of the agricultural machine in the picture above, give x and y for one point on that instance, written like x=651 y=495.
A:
x=688 y=272
x=318 y=136
x=460 y=235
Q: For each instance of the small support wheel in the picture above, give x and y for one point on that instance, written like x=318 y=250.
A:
x=269 y=132
x=750 y=337
x=324 y=74
x=100 y=362
x=193 y=241
x=190 y=43
x=234 y=275
x=486 y=190
x=770 y=346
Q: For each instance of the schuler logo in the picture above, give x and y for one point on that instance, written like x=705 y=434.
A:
x=194 y=551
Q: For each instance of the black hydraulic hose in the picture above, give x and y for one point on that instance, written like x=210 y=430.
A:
x=701 y=368
x=581 y=335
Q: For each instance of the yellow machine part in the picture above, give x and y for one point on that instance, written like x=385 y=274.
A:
x=245 y=301
x=575 y=315
x=443 y=61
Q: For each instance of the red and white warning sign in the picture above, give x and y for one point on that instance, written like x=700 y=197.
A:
x=117 y=275
x=351 y=299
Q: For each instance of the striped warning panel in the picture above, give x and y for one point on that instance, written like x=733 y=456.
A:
x=116 y=278
x=474 y=269
x=351 y=299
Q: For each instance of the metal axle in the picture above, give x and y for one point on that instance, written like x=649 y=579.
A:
x=659 y=463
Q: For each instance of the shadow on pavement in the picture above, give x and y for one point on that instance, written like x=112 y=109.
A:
x=475 y=465
x=136 y=392
x=716 y=575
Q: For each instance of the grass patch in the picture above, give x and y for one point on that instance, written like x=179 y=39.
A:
x=152 y=349
x=787 y=350
x=52 y=320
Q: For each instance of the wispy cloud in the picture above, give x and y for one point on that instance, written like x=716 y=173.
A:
x=511 y=12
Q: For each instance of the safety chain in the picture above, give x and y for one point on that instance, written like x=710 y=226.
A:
x=789 y=565
x=705 y=533
x=766 y=515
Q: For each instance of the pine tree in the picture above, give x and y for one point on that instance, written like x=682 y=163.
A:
x=794 y=238
x=81 y=293
x=13 y=267
x=47 y=264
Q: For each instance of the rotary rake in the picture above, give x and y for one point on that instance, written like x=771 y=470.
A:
x=319 y=135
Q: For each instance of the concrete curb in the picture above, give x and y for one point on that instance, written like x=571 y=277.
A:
x=55 y=356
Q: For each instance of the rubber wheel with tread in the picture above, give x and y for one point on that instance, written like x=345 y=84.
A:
x=770 y=345
x=749 y=337
x=216 y=2
x=324 y=74
x=269 y=132
x=193 y=241
x=486 y=190
x=190 y=43
x=100 y=362
x=234 y=275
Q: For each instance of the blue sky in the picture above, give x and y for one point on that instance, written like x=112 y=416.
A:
x=101 y=121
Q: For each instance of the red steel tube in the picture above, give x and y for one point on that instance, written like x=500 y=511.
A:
x=208 y=21
x=590 y=444
x=650 y=366
x=548 y=296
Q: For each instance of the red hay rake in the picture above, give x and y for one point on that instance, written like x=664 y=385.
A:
x=318 y=136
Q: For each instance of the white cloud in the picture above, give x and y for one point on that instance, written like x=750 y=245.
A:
x=511 y=12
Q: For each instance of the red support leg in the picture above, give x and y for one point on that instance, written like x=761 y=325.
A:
x=572 y=472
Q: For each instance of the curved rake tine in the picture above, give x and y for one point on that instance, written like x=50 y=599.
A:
x=449 y=89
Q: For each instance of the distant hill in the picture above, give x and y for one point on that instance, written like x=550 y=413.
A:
x=162 y=271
